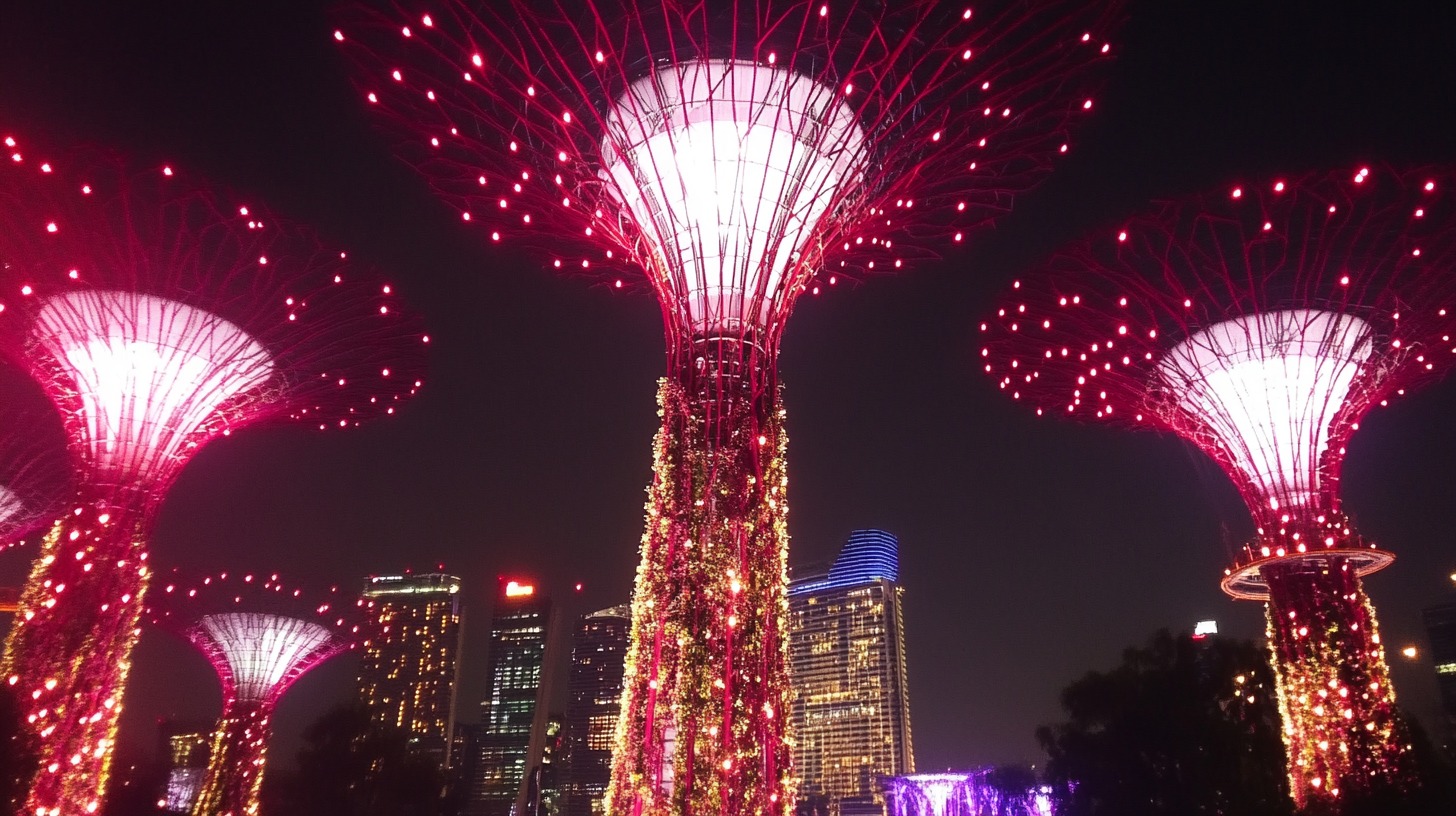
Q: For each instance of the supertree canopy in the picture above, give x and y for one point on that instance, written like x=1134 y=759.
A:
x=259 y=637
x=731 y=156
x=157 y=315
x=36 y=476
x=1262 y=323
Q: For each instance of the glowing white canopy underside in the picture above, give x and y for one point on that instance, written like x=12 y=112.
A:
x=1269 y=386
x=11 y=505
x=727 y=167
x=262 y=650
x=151 y=372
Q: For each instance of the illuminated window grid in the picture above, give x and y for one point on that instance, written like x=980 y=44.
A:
x=851 y=704
x=407 y=676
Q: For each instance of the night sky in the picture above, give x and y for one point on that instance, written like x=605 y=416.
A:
x=1031 y=550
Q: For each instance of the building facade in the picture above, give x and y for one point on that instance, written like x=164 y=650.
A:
x=411 y=659
x=851 y=710
x=1441 y=632
x=186 y=747
x=598 y=660
x=512 y=716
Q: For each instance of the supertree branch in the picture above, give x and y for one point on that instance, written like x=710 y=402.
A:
x=1262 y=324
x=36 y=474
x=727 y=155
x=260 y=637
x=730 y=153
x=157 y=315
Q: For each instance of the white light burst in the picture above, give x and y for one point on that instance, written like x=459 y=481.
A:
x=728 y=167
x=1268 y=386
x=151 y=373
x=11 y=505
x=261 y=654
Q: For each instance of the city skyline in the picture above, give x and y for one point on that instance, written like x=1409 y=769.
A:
x=503 y=475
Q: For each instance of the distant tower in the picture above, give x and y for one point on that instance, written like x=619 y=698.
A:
x=512 y=718
x=543 y=789
x=598 y=660
x=851 y=709
x=1441 y=632
x=185 y=747
x=412 y=657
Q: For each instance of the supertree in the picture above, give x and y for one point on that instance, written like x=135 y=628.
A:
x=260 y=637
x=731 y=156
x=157 y=315
x=1262 y=323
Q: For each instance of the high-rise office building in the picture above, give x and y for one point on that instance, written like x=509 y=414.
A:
x=1441 y=631
x=543 y=788
x=411 y=658
x=598 y=660
x=851 y=710
x=512 y=716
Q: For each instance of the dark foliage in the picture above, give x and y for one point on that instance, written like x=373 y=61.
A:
x=1016 y=787
x=1180 y=728
x=353 y=767
x=134 y=787
x=18 y=757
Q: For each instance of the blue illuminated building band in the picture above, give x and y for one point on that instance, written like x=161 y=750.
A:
x=868 y=556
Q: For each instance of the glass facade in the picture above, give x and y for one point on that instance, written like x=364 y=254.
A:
x=509 y=714
x=851 y=710
x=1441 y=631
x=598 y=659
x=410 y=662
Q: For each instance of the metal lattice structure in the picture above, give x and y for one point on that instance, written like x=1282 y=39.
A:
x=260 y=637
x=1262 y=323
x=36 y=474
x=157 y=315
x=731 y=157
x=257 y=655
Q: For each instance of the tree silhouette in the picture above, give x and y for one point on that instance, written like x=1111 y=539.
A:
x=18 y=757
x=351 y=766
x=1180 y=728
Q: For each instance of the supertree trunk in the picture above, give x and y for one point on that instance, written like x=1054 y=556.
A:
x=703 y=721
x=235 y=767
x=71 y=664
x=1335 y=695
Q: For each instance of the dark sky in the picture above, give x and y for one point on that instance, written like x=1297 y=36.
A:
x=1032 y=551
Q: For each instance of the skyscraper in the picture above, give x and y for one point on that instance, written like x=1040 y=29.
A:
x=543 y=788
x=598 y=658
x=1441 y=631
x=411 y=659
x=512 y=715
x=851 y=710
